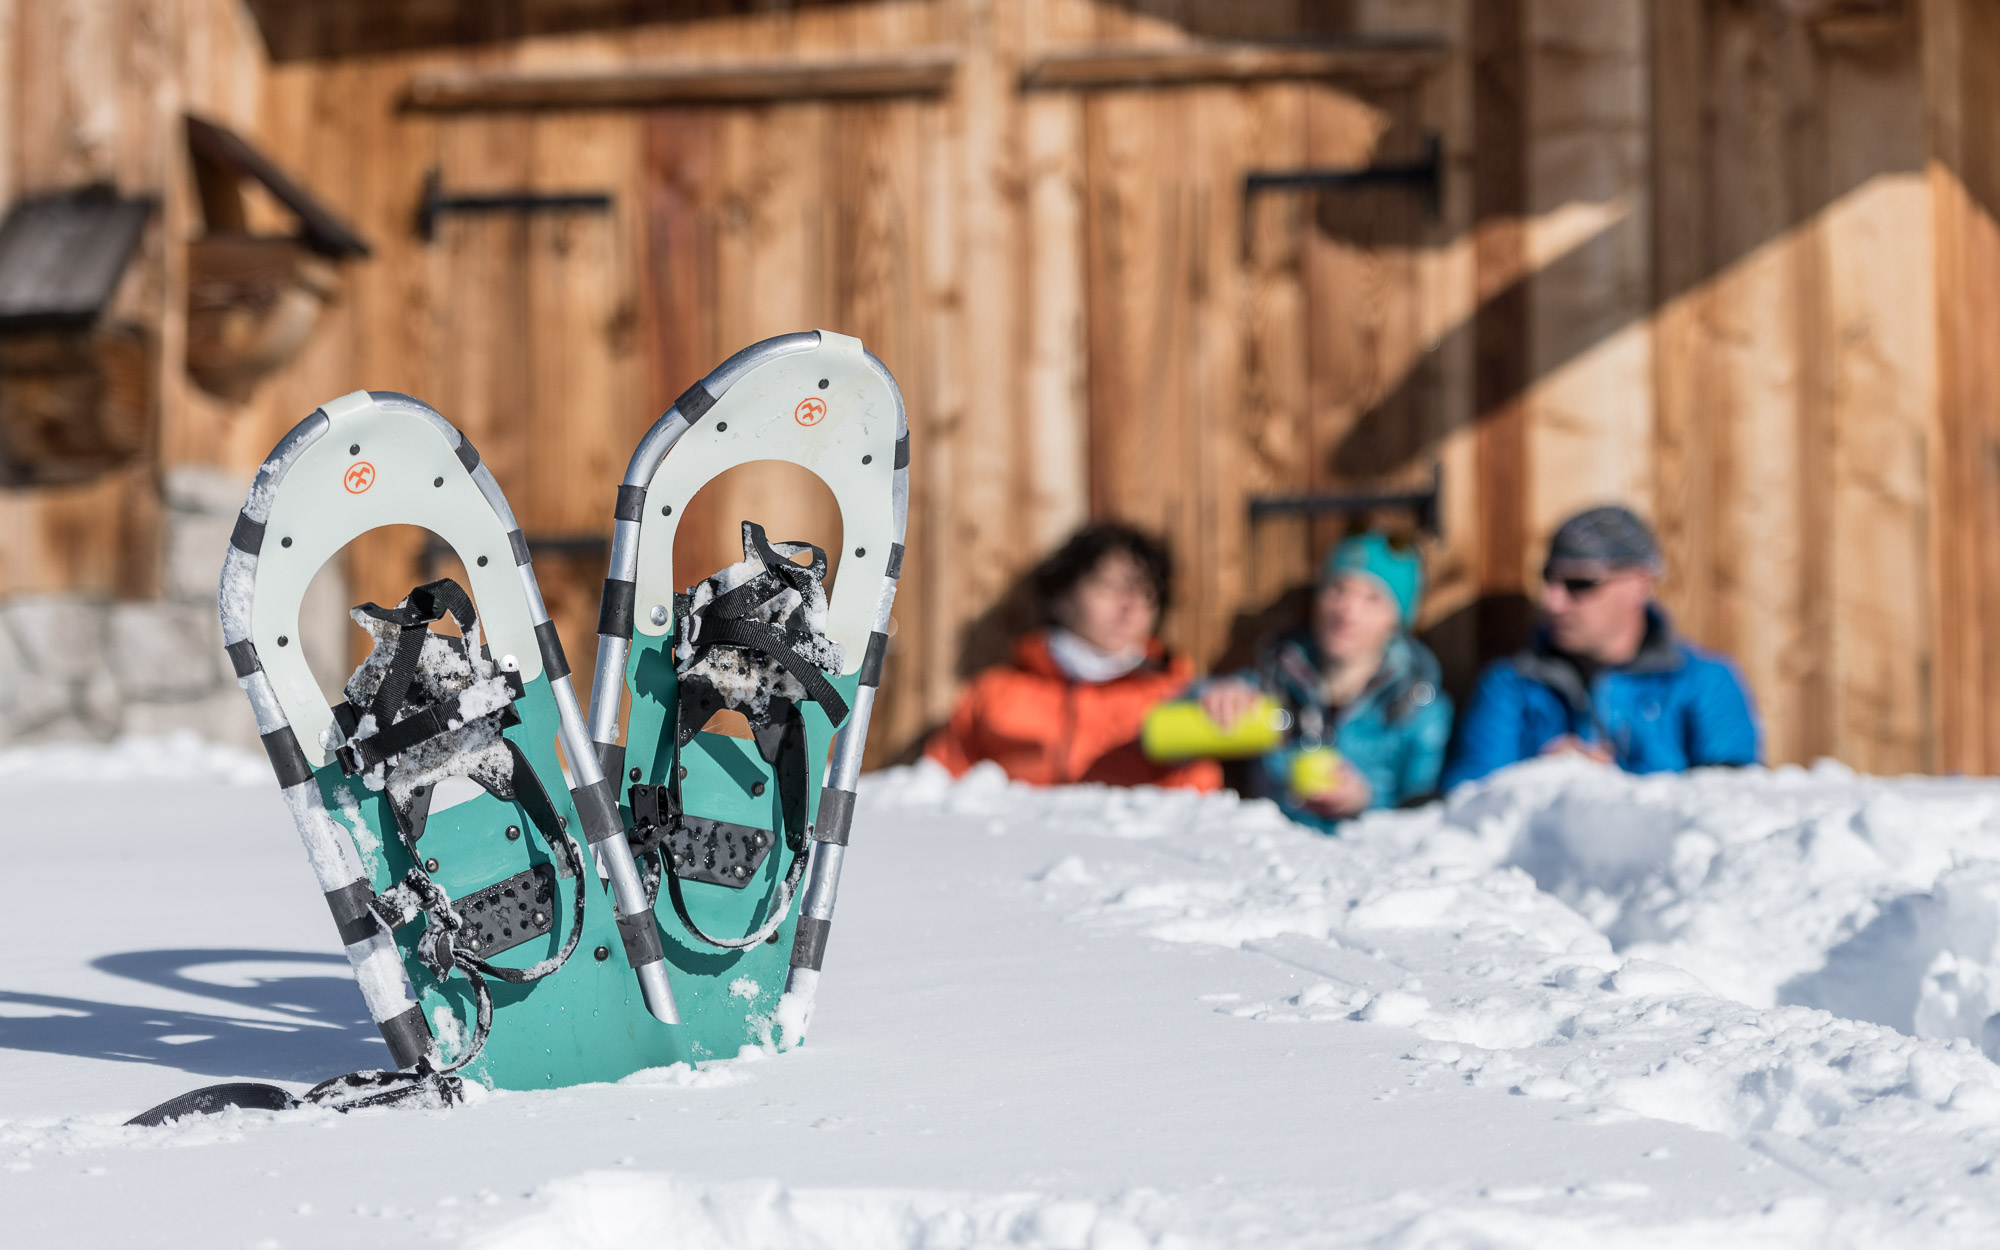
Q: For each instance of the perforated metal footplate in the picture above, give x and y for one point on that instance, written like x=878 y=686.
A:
x=713 y=851
x=503 y=916
x=716 y=851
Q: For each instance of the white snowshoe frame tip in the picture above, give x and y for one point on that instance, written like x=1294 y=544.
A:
x=360 y=462
x=759 y=405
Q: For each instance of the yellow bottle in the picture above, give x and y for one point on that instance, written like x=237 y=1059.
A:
x=1175 y=732
x=1315 y=771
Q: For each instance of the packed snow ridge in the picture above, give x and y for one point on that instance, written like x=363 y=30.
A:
x=1805 y=960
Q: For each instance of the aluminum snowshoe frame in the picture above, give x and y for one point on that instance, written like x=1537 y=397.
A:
x=823 y=402
x=371 y=459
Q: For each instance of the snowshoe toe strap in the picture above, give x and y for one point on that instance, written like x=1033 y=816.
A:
x=765 y=640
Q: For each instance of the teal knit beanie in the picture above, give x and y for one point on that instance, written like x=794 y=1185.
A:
x=1401 y=572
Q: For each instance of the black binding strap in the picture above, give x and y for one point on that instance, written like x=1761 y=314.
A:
x=780 y=905
x=631 y=503
x=763 y=639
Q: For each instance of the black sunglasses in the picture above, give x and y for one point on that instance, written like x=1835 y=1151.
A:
x=1575 y=587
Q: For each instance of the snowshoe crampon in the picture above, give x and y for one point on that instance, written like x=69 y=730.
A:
x=487 y=943
x=742 y=839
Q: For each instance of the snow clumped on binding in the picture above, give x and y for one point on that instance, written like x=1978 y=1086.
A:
x=471 y=681
x=745 y=679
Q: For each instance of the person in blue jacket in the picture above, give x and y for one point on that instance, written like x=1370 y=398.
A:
x=1606 y=676
x=1355 y=681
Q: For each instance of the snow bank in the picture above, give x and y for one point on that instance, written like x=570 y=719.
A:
x=641 y=1211
x=1805 y=960
x=174 y=757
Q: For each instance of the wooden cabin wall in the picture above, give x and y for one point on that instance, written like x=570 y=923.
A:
x=90 y=91
x=963 y=238
x=1729 y=261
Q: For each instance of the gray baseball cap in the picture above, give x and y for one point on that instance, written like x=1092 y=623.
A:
x=1608 y=537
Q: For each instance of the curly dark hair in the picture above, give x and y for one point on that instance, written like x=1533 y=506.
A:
x=1058 y=575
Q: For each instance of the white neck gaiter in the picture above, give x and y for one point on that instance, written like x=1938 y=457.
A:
x=1080 y=661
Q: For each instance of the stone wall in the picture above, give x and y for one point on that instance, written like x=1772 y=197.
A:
x=83 y=667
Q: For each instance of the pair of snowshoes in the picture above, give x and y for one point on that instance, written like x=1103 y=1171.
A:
x=655 y=894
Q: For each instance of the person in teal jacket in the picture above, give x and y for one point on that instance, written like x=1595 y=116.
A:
x=1354 y=680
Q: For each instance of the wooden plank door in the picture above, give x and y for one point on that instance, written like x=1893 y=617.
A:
x=1244 y=346
x=763 y=220
x=531 y=347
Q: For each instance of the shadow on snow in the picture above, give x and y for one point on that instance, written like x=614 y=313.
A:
x=317 y=1024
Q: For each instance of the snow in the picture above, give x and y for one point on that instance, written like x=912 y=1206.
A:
x=1563 y=1008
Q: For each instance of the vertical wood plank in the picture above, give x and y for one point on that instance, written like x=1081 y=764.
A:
x=1685 y=443
x=1590 y=420
x=1501 y=327
x=1881 y=402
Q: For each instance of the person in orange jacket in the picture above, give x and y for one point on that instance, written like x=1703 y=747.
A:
x=1069 y=707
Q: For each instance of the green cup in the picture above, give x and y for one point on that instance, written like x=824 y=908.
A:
x=1176 y=732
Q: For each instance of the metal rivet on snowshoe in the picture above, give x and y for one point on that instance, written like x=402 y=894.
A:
x=562 y=822
x=437 y=481
x=540 y=918
x=684 y=772
x=822 y=384
x=476 y=946
x=757 y=788
x=354 y=450
x=282 y=640
x=603 y=953
x=720 y=426
x=636 y=774
x=284 y=542
x=482 y=562
x=430 y=865
x=660 y=614
x=772 y=940
x=666 y=509
x=868 y=460
x=513 y=833
x=740 y=872
x=859 y=552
